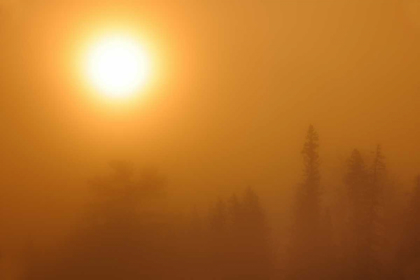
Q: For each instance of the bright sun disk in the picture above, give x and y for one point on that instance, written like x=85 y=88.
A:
x=117 y=66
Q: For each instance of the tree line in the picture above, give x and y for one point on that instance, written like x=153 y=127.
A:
x=126 y=235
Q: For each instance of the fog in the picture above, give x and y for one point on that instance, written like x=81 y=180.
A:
x=221 y=127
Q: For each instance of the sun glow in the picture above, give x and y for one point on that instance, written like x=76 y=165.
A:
x=117 y=66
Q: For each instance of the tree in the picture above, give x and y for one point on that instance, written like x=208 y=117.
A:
x=410 y=251
x=306 y=232
x=356 y=181
x=120 y=238
x=239 y=242
x=378 y=170
x=257 y=263
x=364 y=189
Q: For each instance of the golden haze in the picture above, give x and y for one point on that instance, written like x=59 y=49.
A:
x=232 y=90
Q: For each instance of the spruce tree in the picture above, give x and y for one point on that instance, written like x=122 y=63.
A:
x=356 y=181
x=364 y=187
x=306 y=232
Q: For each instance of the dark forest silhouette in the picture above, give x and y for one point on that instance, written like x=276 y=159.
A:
x=125 y=235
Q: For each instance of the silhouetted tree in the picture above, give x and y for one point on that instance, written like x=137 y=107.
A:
x=379 y=212
x=356 y=181
x=258 y=257
x=410 y=251
x=122 y=237
x=387 y=219
x=378 y=170
x=364 y=188
x=305 y=246
x=239 y=239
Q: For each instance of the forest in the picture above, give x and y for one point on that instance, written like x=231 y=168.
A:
x=125 y=234
x=209 y=140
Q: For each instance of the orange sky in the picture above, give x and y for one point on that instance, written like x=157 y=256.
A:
x=239 y=83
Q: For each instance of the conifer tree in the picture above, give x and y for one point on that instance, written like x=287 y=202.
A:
x=248 y=245
x=306 y=232
x=257 y=236
x=410 y=251
x=364 y=189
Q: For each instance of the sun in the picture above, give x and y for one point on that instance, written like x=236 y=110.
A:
x=117 y=66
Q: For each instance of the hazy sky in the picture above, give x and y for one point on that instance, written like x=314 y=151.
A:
x=237 y=86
